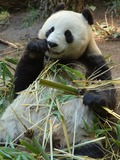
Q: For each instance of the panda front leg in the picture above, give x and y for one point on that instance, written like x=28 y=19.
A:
x=99 y=99
x=28 y=68
x=30 y=64
x=97 y=69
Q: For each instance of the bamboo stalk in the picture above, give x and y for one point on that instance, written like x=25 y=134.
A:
x=62 y=87
x=51 y=143
x=112 y=113
x=64 y=128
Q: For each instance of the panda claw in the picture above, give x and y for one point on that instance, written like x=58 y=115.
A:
x=94 y=99
x=37 y=45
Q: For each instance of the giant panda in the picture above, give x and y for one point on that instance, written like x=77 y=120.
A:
x=66 y=38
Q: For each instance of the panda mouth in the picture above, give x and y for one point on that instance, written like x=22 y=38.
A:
x=56 y=53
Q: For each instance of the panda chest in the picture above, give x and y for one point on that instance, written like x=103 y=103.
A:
x=67 y=106
x=66 y=74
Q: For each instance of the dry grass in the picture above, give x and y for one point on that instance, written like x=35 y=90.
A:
x=52 y=100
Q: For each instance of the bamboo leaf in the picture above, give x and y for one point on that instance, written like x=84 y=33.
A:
x=118 y=132
x=12 y=152
x=18 y=157
x=40 y=149
x=9 y=66
x=29 y=156
x=73 y=71
x=24 y=157
x=11 y=60
x=4 y=154
x=29 y=147
x=7 y=72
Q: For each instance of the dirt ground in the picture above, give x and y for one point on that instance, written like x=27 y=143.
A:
x=20 y=35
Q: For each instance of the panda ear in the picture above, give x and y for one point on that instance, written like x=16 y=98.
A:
x=88 y=16
x=59 y=7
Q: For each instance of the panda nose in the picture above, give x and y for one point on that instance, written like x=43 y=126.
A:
x=52 y=44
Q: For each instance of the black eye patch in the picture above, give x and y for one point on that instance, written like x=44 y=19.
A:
x=68 y=36
x=49 y=31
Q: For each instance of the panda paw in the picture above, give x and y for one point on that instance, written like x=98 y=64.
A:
x=95 y=100
x=37 y=45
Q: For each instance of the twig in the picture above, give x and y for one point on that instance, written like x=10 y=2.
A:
x=106 y=17
x=8 y=43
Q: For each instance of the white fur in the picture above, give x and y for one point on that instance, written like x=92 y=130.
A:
x=31 y=109
x=29 y=116
x=80 y=29
x=25 y=105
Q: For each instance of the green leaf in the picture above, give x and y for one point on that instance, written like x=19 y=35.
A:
x=116 y=142
x=1 y=101
x=24 y=157
x=18 y=157
x=73 y=71
x=11 y=60
x=29 y=147
x=56 y=113
x=7 y=72
x=29 y=156
x=118 y=131
x=40 y=149
x=115 y=35
x=2 y=153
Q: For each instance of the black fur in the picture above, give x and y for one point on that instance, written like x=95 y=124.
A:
x=95 y=62
x=30 y=65
x=93 y=150
x=29 y=68
x=60 y=6
x=88 y=15
x=68 y=36
x=50 y=31
x=52 y=44
x=98 y=99
x=105 y=97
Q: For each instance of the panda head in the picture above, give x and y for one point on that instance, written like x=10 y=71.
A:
x=68 y=34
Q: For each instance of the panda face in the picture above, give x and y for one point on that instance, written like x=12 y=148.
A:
x=67 y=33
x=68 y=36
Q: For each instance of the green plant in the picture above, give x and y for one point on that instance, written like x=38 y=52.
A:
x=102 y=131
x=6 y=81
x=4 y=18
x=113 y=6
